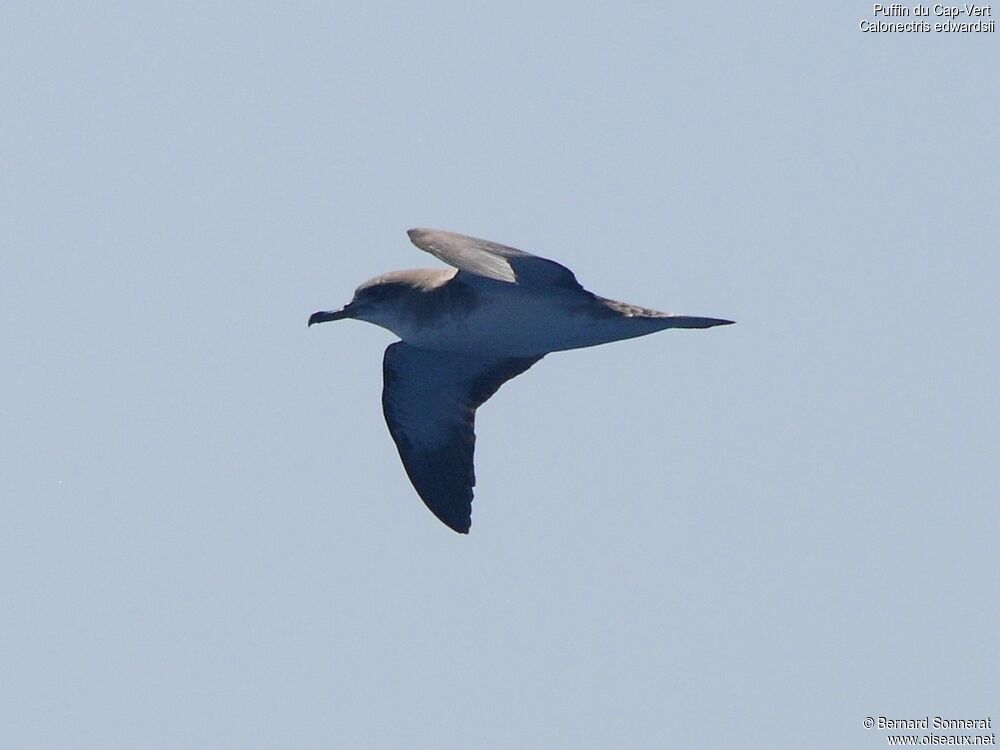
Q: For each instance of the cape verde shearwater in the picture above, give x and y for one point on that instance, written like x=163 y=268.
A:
x=467 y=330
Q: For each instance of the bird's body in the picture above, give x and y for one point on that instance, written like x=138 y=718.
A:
x=465 y=313
x=467 y=330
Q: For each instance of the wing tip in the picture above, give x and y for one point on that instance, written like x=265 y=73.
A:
x=420 y=236
x=458 y=525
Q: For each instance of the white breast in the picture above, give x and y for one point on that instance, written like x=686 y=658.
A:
x=519 y=323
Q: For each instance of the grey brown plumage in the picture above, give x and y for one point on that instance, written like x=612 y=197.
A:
x=467 y=330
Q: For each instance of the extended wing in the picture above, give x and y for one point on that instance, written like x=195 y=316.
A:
x=491 y=260
x=430 y=399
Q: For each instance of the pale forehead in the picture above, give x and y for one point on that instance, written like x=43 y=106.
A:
x=424 y=279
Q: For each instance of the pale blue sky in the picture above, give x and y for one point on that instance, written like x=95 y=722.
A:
x=747 y=537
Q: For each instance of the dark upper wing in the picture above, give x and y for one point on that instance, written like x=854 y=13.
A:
x=429 y=399
x=490 y=259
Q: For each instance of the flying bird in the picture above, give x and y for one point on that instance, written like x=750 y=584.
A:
x=467 y=330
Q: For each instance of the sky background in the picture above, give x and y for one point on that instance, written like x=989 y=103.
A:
x=750 y=537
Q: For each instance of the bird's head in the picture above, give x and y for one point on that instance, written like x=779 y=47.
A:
x=376 y=301
x=389 y=300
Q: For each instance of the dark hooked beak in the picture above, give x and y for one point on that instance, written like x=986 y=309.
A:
x=326 y=315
